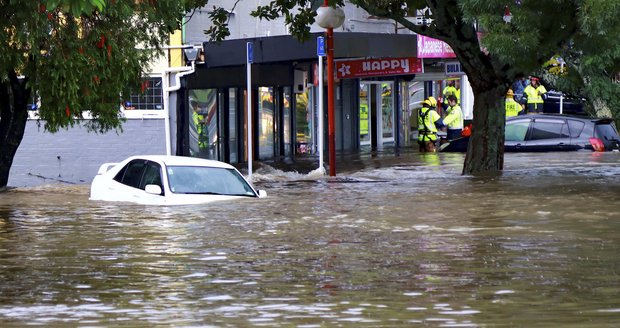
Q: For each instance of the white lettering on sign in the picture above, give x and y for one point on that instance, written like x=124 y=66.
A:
x=454 y=68
x=433 y=48
x=378 y=65
x=352 y=68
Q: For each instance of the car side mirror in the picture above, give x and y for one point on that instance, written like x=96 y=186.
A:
x=262 y=194
x=152 y=189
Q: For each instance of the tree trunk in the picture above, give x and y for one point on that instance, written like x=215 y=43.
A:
x=489 y=81
x=14 y=96
x=485 y=152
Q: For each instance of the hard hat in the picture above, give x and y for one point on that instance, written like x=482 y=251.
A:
x=510 y=93
x=433 y=101
x=426 y=103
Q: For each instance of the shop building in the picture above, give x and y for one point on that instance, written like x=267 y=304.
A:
x=382 y=75
x=198 y=107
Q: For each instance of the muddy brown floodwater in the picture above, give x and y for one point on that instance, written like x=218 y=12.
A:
x=390 y=242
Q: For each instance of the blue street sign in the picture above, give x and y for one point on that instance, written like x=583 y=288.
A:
x=320 y=46
x=250 y=53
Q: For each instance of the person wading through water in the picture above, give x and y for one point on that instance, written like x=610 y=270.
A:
x=428 y=121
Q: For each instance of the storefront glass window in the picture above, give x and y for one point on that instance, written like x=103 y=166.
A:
x=232 y=125
x=266 y=122
x=415 y=96
x=203 y=123
x=286 y=124
x=303 y=111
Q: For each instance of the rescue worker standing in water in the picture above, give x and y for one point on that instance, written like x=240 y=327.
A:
x=428 y=119
x=453 y=119
x=535 y=92
x=513 y=108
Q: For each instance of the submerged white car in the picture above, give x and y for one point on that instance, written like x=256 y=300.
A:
x=170 y=180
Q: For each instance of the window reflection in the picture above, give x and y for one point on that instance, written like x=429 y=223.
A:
x=266 y=122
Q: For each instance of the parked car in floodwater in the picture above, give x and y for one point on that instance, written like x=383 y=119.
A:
x=170 y=180
x=552 y=132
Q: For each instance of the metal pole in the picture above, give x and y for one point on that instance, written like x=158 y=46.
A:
x=249 y=96
x=321 y=114
x=561 y=93
x=331 y=125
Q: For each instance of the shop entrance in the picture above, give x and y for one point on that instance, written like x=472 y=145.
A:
x=376 y=113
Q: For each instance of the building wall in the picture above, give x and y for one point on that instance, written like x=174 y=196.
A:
x=243 y=26
x=74 y=155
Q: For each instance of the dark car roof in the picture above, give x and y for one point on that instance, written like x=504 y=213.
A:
x=575 y=117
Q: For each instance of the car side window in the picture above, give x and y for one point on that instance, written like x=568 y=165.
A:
x=516 y=130
x=152 y=175
x=605 y=132
x=575 y=128
x=549 y=129
x=131 y=174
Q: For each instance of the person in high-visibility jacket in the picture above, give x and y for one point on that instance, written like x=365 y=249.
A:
x=449 y=90
x=453 y=119
x=534 y=93
x=513 y=108
x=428 y=120
x=201 y=130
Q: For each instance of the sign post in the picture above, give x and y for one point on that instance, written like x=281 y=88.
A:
x=250 y=59
x=320 y=52
x=561 y=93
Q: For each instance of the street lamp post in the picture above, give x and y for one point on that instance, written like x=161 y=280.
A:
x=330 y=18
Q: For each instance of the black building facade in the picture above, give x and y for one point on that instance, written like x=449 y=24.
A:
x=212 y=106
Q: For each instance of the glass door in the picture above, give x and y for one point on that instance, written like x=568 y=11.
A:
x=365 y=118
x=387 y=112
x=266 y=121
x=376 y=113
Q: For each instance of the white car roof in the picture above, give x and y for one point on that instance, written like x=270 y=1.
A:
x=170 y=160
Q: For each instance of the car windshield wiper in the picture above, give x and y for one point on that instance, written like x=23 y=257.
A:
x=200 y=193
x=243 y=195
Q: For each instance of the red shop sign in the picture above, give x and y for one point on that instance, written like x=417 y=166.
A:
x=355 y=68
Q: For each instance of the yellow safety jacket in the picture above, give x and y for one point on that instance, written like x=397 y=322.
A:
x=200 y=130
x=427 y=131
x=512 y=107
x=454 y=117
x=534 y=95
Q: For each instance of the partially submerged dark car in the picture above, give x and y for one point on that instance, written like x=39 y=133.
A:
x=552 y=132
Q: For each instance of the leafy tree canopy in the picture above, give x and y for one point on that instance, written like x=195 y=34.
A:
x=580 y=32
x=83 y=55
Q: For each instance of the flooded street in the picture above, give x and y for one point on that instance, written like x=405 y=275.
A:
x=390 y=242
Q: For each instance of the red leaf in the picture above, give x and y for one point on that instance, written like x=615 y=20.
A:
x=101 y=42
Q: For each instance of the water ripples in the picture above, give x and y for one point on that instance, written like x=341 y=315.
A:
x=409 y=243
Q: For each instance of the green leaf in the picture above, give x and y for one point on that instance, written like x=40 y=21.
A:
x=100 y=4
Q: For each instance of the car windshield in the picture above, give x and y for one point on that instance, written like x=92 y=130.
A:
x=207 y=180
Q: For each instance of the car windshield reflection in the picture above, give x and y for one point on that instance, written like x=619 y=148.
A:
x=207 y=180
